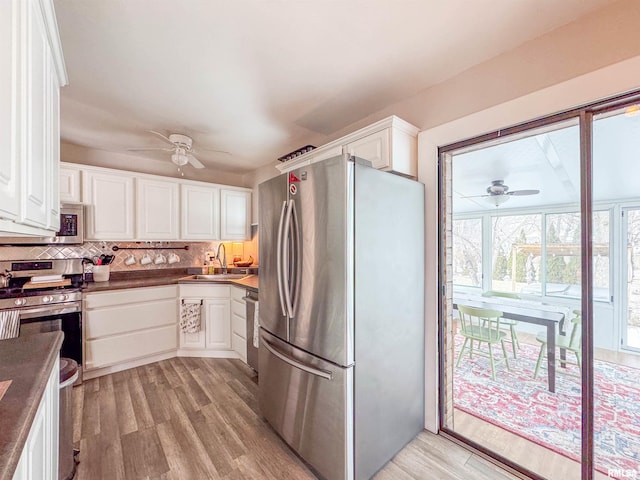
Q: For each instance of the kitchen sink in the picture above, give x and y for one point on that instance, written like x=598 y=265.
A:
x=219 y=276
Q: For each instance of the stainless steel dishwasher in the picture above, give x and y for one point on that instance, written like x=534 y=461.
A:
x=251 y=300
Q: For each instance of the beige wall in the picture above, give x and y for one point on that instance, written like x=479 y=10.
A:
x=606 y=37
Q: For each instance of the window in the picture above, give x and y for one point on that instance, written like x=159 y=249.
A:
x=467 y=252
x=563 y=261
x=516 y=253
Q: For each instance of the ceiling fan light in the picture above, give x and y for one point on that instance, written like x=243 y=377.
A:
x=497 y=200
x=179 y=159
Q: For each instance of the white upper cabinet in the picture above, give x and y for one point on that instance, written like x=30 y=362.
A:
x=390 y=144
x=31 y=74
x=36 y=72
x=156 y=209
x=9 y=105
x=70 y=184
x=122 y=205
x=200 y=212
x=109 y=204
x=374 y=147
x=235 y=215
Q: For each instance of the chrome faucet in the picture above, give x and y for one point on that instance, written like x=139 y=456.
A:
x=223 y=259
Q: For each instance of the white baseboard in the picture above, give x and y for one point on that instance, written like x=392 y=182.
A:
x=138 y=362
x=208 y=353
x=99 y=372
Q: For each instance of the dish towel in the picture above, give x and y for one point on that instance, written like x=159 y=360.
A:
x=256 y=327
x=9 y=324
x=190 y=316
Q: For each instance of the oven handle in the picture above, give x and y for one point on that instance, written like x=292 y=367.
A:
x=35 y=312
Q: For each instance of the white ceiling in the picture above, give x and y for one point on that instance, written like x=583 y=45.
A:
x=260 y=78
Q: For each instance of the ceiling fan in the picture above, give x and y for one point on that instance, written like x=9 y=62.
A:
x=498 y=193
x=181 y=148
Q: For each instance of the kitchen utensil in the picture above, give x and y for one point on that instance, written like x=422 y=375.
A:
x=5 y=278
x=101 y=273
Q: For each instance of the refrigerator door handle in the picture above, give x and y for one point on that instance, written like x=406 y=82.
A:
x=286 y=283
x=297 y=270
x=279 y=259
x=295 y=363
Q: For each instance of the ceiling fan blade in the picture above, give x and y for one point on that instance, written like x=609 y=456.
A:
x=198 y=150
x=165 y=138
x=478 y=196
x=149 y=149
x=519 y=193
x=195 y=162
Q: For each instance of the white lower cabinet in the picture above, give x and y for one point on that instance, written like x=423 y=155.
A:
x=39 y=458
x=239 y=322
x=215 y=336
x=124 y=326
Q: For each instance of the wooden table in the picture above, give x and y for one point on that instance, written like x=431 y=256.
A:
x=527 y=314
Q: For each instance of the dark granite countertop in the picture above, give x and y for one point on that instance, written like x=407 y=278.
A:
x=250 y=282
x=154 y=278
x=27 y=360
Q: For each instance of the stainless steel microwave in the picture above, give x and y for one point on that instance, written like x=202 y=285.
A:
x=71 y=229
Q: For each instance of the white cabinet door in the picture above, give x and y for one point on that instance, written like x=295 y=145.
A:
x=157 y=209
x=235 y=215
x=374 y=147
x=69 y=184
x=109 y=205
x=39 y=458
x=53 y=148
x=35 y=156
x=195 y=340
x=9 y=110
x=200 y=213
x=218 y=323
x=124 y=325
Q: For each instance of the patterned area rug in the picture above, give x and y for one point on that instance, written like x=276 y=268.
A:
x=524 y=406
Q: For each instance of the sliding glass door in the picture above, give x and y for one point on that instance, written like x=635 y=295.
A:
x=616 y=331
x=540 y=244
x=630 y=324
x=512 y=382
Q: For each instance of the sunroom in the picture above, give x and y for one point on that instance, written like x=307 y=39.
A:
x=540 y=269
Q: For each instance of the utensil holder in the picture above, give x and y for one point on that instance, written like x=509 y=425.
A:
x=101 y=273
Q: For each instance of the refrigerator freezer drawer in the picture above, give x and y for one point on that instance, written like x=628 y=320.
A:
x=309 y=402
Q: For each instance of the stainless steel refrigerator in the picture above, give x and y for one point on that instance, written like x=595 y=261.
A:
x=341 y=354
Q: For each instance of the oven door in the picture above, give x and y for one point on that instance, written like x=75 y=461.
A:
x=64 y=316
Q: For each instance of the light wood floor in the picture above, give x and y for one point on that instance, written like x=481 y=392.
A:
x=197 y=418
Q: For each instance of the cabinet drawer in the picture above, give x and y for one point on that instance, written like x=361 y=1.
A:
x=239 y=308
x=238 y=293
x=132 y=295
x=129 y=318
x=239 y=345
x=205 y=291
x=239 y=325
x=120 y=348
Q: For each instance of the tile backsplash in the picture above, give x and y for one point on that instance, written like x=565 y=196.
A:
x=193 y=257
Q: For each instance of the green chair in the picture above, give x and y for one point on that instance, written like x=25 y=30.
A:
x=483 y=326
x=507 y=322
x=571 y=342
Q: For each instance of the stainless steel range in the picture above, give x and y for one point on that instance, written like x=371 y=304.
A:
x=47 y=295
